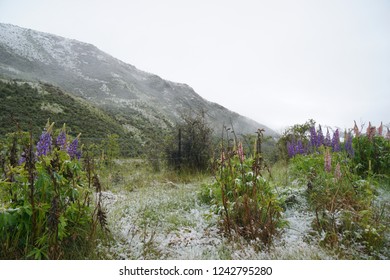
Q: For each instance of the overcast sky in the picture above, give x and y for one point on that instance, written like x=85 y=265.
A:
x=277 y=62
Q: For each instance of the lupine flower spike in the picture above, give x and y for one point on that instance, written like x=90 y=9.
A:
x=300 y=149
x=336 y=141
x=45 y=141
x=337 y=172
x=320 y=137
x=328 y=161
x=356 y=130
x=290 y=149
x=327 y=141
x=313 y=137
x=61 y=139
x=368 y=129
x=73 y=148
x=240 y=152
x=380 y=129
x=371 y=130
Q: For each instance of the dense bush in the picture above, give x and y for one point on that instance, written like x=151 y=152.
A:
x=340 y=178
x=293 y=134
x=372 y=155
x=45 y=198
x=341 y=200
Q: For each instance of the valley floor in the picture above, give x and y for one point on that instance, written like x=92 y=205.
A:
x=155 y=218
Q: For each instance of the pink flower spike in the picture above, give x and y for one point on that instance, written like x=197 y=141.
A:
x=240 y=152
x=356 y=130
x=337 y=172
x=328 y=161
x=380 y=129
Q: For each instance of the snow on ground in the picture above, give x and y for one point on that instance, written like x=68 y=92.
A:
x=383 y=203
x=166 y=221
x=296 y=241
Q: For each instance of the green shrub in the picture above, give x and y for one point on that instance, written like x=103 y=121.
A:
x=45 y=199
x=372 y=155
x=341 y=199
x=246 y=201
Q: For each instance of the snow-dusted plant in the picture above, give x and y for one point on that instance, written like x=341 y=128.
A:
x=46 y=201
x=247 y=202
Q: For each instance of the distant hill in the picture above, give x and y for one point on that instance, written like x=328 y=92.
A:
x=140 y=102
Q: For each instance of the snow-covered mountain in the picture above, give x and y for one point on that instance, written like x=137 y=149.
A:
x=83 y=70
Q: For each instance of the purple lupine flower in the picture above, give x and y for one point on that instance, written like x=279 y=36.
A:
x=328 y=161
x=61 y=140
x=348 y=145
x=44 y=144
x=336 y=141
x=320 y=137
x=313 y=137
x=45 y=141
x=327 y=141
x=78 y=154
x=300 y=149
x=290 y=149
x=72 y=149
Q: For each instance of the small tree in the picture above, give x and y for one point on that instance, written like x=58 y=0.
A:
x=190 y=144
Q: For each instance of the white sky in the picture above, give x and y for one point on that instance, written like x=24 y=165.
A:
x=278 y=62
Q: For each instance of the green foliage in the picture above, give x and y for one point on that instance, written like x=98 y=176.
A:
x=45 y=203
x=342 y=201
x=372 y=156
x=246 y=200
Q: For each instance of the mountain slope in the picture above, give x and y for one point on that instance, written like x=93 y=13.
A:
x=29 y=106
x=85 y=71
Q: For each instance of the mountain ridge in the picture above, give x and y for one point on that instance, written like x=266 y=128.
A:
x=85 y=71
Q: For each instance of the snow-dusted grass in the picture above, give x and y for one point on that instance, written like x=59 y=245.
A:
x=158 y=216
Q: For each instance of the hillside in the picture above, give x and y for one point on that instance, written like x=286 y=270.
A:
x=120 y=88
x=30 y=105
